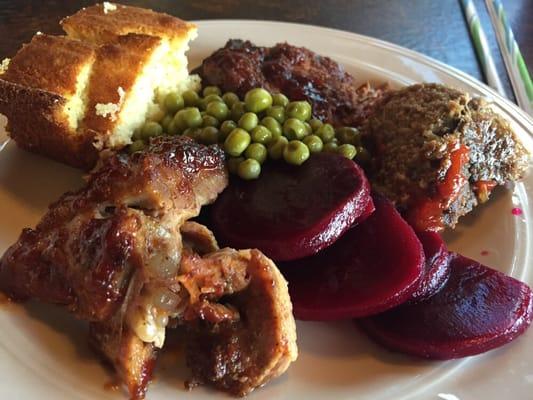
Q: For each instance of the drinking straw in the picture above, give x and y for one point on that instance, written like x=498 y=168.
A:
x=482 y=47
x=514 y=62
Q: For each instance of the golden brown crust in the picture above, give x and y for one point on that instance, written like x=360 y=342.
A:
x=118 y=65
x=37 y=123
x=50 y=63
x=94 y=25
x=33 y=96
x=132 y=359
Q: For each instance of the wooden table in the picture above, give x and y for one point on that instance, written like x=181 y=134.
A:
x=435 y=28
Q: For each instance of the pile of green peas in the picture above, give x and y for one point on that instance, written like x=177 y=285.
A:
x=261 y=126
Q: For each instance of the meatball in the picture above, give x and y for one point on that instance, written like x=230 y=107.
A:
x=439 y=153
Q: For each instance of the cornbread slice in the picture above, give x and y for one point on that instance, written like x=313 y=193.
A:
x=42 y=93
x=69 y=97
x=121 y=87
x=103 y=23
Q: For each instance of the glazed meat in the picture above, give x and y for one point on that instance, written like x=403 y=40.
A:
x=241 y=353
x=439 y=153
x=114 y=245
x=121 y=254
x=296 y=72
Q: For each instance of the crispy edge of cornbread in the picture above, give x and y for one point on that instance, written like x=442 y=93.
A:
x=50 y=63
x=37 y=123
x=99 y=24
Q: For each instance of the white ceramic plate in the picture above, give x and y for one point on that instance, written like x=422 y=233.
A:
x=43 y=351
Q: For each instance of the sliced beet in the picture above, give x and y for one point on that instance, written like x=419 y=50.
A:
x=372 y=268
x=367 y=212
x=437 y=267
x=292 y=212
x=477 y=310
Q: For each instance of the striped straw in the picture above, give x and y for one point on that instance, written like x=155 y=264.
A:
x=514 y=62
x=482 y=47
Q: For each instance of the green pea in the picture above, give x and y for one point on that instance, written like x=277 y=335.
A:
x=276 y=112
x=261 y=134
x=248 y=121
x=136 y=134
x=315 y=124
x=230 y=99
x=294 y=129
x=155 y=113
x=211 y=90
x=233 y=164
x=308 y=129
x=173 y=102
x=349 y=135
x=218 y=110
x=249 y=169
x=189 y=117
x=193 y=133
x=174 y=127
x=298 y=109
x=190 y=98
x=209 y=99
x=151 y=129
x=208 y=120
x=362 y=156
x=257 y=100
x=347 y=150
x=330 y=147
x=296 y=152
x=165 y=122
x=279 y=99
x=257 y=151
x=273 y=126
x=314 y=143
x=275 y=150
x=209 y=135
x=326 y=132
x=237 y=111
x=236 y=142
x=226 y=128
x=136 y=146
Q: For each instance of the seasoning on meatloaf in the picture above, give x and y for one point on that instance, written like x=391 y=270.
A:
x=296 y=72
x=439 y=153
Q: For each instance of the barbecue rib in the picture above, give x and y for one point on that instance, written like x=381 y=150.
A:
x=113 y=254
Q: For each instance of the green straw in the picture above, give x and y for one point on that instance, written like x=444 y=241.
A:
x=482 y=48
x=514 y=62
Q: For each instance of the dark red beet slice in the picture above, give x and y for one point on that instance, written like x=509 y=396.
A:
x=369 y=209
x=372 y=268
x=292 y=212
x=477 y=310
x=437 y=267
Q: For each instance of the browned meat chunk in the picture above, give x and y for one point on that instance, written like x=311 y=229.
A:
x=438 y=153
x=241 y=353
x=296 y=72
x=107 y=250
x=121 y=254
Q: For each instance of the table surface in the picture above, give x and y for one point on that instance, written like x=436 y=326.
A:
x=435 y=28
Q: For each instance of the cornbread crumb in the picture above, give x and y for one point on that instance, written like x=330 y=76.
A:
x=108 y=7
x=111 y=109
x=4 y=65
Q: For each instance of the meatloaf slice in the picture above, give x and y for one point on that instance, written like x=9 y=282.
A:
x=438 y=153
